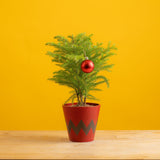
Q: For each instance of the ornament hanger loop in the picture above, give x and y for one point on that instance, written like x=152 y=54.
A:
x=85 y=54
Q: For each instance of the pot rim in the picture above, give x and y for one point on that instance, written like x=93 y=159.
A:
x=92 y=105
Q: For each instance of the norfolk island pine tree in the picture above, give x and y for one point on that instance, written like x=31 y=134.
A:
x=69 y=52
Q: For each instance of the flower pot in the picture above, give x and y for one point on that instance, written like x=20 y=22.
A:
x=81 y=121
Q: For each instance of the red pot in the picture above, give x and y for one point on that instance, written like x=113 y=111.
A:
x=81 y=121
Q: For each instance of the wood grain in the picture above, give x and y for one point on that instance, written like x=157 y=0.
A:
x=55 y=144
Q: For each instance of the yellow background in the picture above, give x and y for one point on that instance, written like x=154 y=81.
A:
x=28 y=101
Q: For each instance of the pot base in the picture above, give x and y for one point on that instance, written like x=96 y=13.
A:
x=75 y=140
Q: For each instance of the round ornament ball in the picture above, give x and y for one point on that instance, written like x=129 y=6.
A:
x=87 y=66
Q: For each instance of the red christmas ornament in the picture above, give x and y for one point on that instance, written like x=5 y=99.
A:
x=87 y=66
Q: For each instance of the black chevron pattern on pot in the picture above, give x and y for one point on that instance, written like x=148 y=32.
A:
x=80 y=126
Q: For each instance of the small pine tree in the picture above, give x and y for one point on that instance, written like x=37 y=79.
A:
x=68 y=54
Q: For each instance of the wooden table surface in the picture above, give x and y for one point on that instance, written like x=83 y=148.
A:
x=55 y=144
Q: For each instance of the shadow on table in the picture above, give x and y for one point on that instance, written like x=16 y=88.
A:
x=41 y=139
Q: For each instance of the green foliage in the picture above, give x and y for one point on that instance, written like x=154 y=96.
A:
x=68 y=54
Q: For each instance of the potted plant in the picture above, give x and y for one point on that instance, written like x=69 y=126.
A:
x=80 y=61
